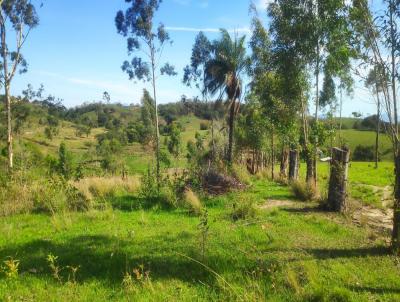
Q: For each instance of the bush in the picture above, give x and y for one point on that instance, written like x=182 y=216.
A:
x=105 y=187
x=364 y=153
x=243 y=208
x=303 y=191
x=241 y=174
x=204 y=126
x=148 y=185
x=192 y=202
x=42 y=195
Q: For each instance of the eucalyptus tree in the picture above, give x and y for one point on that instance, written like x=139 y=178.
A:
x=379 y=36
x=290 y=63
x=17 y=19
x=318 y=34
x=374 y=82
x=146 y=42
x=223 y=73
x=194 y=73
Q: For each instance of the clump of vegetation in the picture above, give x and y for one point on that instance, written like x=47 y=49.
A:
x=241 y=174
x=192 y=202
x=10 y=268
x=304 y=191
x=364 y=153
x=106 y=187
x=204 y=126
x=243 y=207
x=40 y=195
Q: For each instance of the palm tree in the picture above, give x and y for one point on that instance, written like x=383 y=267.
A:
x=228 y=60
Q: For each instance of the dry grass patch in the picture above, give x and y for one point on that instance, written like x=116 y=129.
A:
x=192 y=202
x=104 y=187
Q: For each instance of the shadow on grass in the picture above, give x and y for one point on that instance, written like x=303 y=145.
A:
x=107 y=259
x=306 y=209
x=129 y=203
x=374 y=290
x=349 y=253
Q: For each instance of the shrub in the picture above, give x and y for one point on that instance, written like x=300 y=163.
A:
x=204 y=126
x=104 y=187
x=241 y=174
x=304 y=191
x=148 y=185
x=364 y=153
x=243 y=208
x=192 y=202
x=40 y=195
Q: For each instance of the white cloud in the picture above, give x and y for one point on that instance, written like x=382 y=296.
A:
x=209 y=30
x=263 y=4
x=120 y=90
x=201 y=3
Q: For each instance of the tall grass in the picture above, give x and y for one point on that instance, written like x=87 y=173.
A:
x=105 y=187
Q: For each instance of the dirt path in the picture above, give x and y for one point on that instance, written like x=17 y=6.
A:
x=278 y=203
x=378 y=220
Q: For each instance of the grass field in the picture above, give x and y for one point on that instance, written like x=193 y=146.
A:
x=366 y=184
x=353 y=138
x=280 y=255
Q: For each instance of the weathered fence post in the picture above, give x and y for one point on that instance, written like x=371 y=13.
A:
x=293 y=165
x=337 y=193
x=284 y=163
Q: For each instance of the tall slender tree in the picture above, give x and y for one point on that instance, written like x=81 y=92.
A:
x=379 y=35
x=17 y=19
x=146 y=43
x=224 y=69
x=374 y=82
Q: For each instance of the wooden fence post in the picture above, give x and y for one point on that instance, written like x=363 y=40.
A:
x=293 y=165
x=337 y=194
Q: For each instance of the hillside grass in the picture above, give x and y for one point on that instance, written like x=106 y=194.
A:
x=353 y=138
x=366 y=184
x=294 y=254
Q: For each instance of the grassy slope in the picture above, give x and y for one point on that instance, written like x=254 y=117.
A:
x=366 y=183
x=281 y=256
x=367 y=138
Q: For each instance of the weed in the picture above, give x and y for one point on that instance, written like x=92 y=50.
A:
x=243 y=208
x=192 y=202
x=303 y=191
x=55 y=269
x=10 y=268
x=203 y=227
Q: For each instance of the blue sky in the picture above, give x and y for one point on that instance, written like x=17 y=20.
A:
x=77 y=54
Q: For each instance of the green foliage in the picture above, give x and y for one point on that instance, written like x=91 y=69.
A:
x=204 y=227
x=241 y=174
x=149 y=189
x=174 y=141
x=243 y=207
x=10 y=268
x=65 y=165
x=303 y=191
x=364 y=153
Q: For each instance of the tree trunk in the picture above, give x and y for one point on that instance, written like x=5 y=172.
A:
x=316 y=115
x=337 y=194
x=293 y=165
x=340 y=117
x=9 y=129
x=396 y=208
x=377 y=128
x=4 y=55
x=284 y=162
x=157 y=124
x=231 y=129
x=272 y=155
x=213 y=140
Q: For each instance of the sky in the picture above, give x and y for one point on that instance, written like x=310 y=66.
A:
x=77 y=53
